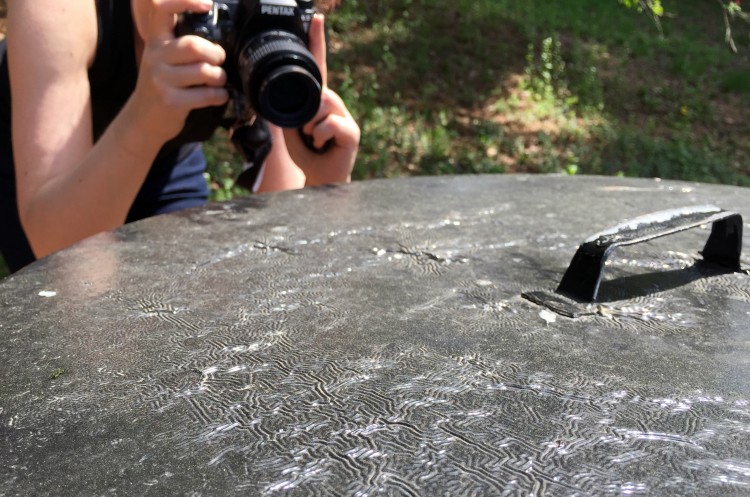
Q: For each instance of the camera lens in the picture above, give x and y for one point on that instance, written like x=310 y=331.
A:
x=281 y=78
x=289 y=90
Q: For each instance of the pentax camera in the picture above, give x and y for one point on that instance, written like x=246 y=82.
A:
x=268 y=64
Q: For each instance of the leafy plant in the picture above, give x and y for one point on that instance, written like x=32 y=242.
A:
x=732 y=11
x=653 y=7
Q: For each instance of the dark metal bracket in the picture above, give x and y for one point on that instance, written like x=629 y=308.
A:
x=579 y=286
x=583 y=277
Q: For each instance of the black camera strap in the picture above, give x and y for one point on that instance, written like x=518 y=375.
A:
x=253 y=141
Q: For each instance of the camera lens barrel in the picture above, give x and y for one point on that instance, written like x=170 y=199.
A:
x=281 y=77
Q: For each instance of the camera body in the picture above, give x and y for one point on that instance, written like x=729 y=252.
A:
x=268 y=64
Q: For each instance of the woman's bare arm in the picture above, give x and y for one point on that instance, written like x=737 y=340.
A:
x=68 y=187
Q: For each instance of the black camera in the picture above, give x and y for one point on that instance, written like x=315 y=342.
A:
x=268 y=63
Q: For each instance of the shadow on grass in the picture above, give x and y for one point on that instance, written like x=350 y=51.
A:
x=438 y=56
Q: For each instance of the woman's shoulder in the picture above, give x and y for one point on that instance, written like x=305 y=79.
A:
x=51 y=33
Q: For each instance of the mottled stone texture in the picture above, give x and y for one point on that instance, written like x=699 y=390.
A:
x=372 y=339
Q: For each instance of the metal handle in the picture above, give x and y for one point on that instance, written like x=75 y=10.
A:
x=581 y=280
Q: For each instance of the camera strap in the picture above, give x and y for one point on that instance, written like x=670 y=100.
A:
x=253 y=141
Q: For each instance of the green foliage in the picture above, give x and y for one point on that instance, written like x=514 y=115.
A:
x=633 y=154
x=545 y=70
x=224 y=165
x=731 y=10
x=56 y=373
x=573 y=84
x=578 y=87
x=737 y=81
x=653 y=6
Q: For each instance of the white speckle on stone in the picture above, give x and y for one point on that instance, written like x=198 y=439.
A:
x=548 y=316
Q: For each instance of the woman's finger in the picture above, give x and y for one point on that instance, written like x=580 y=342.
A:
x=317 y=42
x=199 y=97
x=192 y=75
x=330 y=103
x=191 y=49
x=323 y=111
x=342 y=130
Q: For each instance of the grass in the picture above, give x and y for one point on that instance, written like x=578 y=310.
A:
x=501 y=86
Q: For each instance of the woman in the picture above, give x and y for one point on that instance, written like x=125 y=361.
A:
x=101 y=94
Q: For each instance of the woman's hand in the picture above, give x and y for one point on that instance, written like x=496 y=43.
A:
x=176 y=75
x=333 y=122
